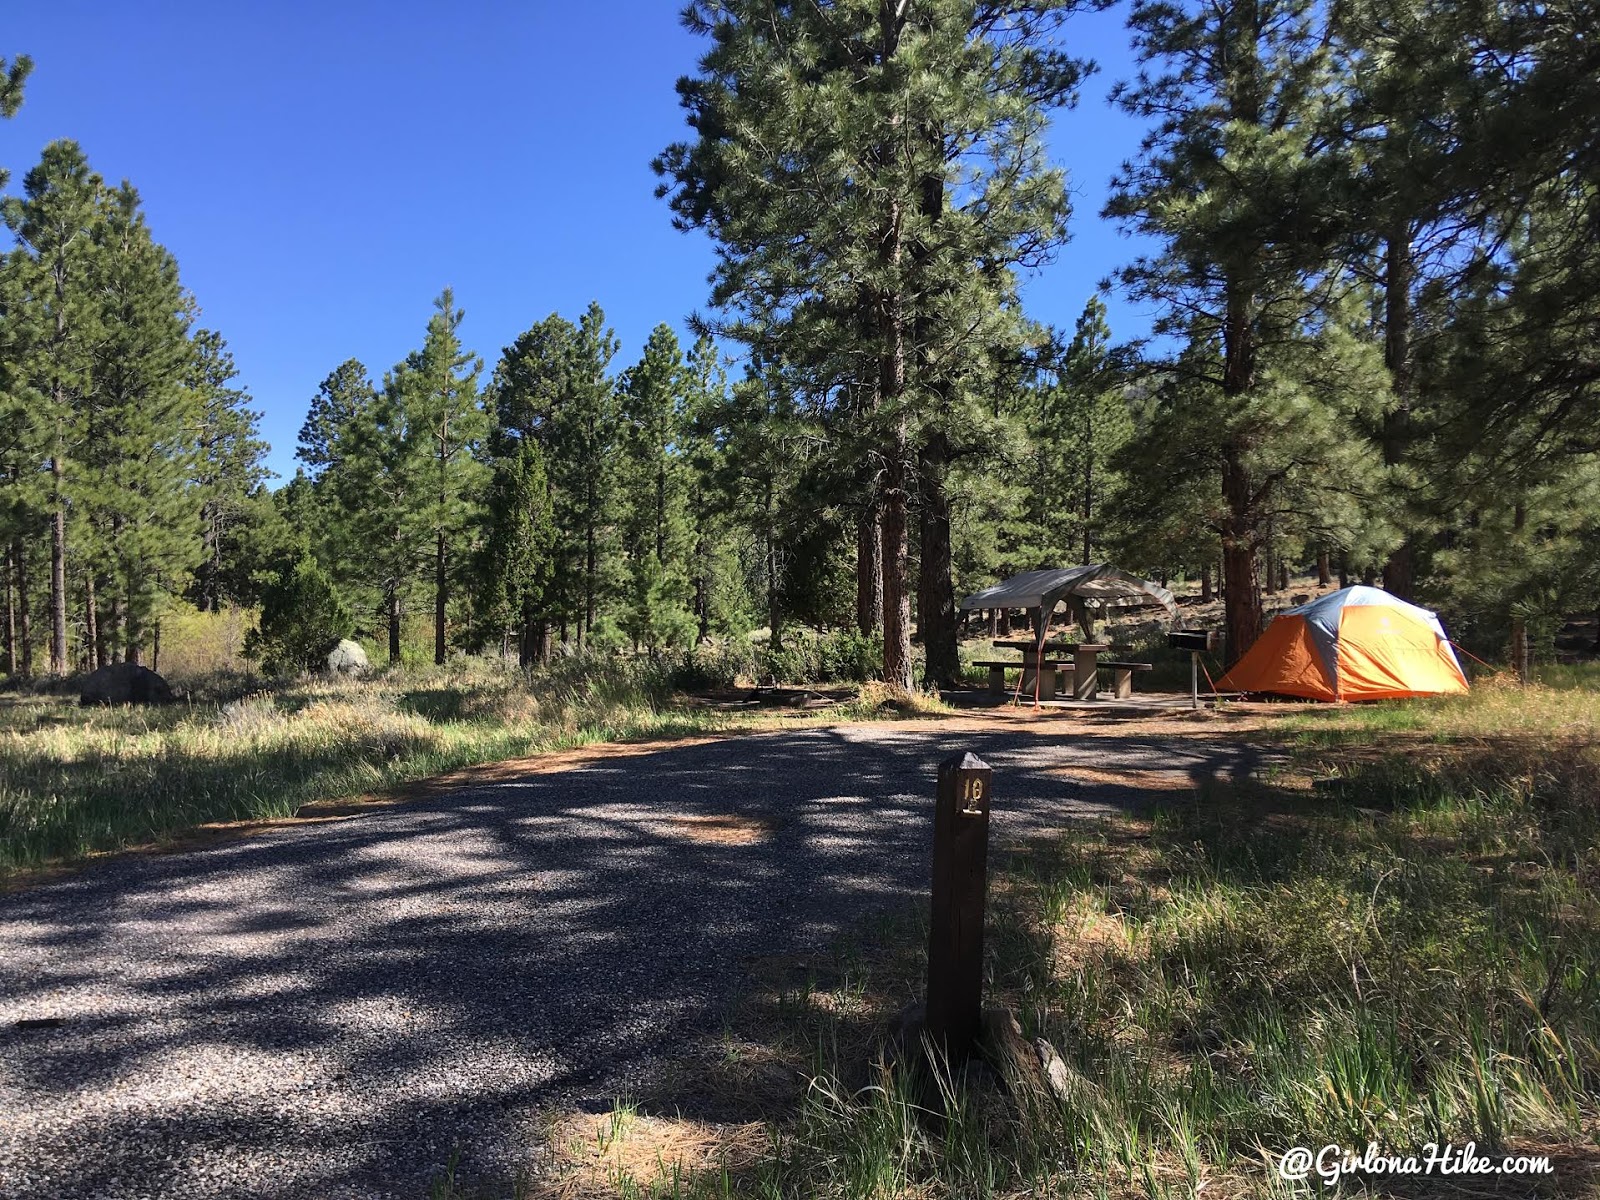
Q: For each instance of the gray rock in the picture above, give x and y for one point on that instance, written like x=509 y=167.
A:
x=124 y=683
x=1056 y=1076
x=347 y=658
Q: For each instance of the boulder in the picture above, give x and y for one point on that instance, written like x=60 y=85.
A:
x=347 y=658
x=124 y=683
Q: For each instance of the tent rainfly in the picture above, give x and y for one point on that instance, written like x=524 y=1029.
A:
x=1096 y=586
x=1358 y=643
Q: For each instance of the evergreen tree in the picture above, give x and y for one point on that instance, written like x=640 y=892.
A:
x=56 y=322
x=658 y=532
x=583 y=438
x=518 y=556
x=1237 y=184
x=140 y=520
x=228 y=477
x=381 y=496
x=302 y=619
x=345 y=392
x=440 y=395
x=871 y=173
x=12 y=77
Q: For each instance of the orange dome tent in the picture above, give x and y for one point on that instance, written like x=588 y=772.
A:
x=1359 y=643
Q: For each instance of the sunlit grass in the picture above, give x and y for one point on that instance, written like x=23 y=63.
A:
x=1410 y=957
x=75 y=781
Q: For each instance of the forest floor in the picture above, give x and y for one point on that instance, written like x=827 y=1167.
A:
x=671 y=969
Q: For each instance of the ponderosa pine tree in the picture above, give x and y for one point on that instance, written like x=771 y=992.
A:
x=657 y=527
x=551 y=384
x=228 y=472
x=380 y=493
x=141 y=521
x=584 y=432
x=345 y=392
x=443 y=411
x=1237 y=183
x=56 y=326
x=518 y=557
x=870 y=173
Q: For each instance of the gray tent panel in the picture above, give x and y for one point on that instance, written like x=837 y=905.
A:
x=1100 y=585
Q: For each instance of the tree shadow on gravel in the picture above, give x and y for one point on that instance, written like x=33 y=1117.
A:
x=331 y=1010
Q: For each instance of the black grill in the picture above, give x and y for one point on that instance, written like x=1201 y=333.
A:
x=1192 y=639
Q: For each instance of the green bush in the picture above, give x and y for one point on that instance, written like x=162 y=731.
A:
x=302 y=618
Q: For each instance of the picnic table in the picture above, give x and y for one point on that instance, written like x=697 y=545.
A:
x=1085 y=668
x=1045 y=662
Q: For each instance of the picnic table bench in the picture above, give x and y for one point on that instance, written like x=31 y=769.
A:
x=1122 y=677
x=1051 y=669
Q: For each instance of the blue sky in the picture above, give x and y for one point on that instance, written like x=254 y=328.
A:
x=321 y=171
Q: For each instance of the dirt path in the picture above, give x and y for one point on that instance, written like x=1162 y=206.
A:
x=326 y=1010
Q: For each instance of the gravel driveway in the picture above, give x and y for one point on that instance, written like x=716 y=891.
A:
x=325 y=1010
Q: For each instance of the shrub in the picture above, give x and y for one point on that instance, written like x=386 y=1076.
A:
x=302 y=618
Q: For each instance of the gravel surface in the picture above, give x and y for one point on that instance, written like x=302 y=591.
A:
x=326 y=1010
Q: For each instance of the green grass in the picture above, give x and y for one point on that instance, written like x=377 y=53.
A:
x=1411 y=956
x=76 y=781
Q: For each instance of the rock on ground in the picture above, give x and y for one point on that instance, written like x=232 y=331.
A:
x=124 y=683
x=347 y=658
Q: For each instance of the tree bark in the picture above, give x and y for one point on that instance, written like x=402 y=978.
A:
x=11 y=616
x=91 y=614
x=24 y=615
x=1521 y=652
x=1240 y=543
x=869 y=569
x=1399 y=572
x=1205 y=584
x=394 y=626
x=890 y=388
x=1324 y=574
x=440 y=598
x=896 y=556
x=58 y=561
x=936 y=601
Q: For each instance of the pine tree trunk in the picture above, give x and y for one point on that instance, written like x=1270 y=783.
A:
x=24 y=616
x=896 y=555
x=155 y=647
x=1344 y=570
x=1324 y=575
x=1240 y=543
x=1521 y=653
x=586 y=629
x=1239 y=558
x=774 y=597
x=1088 y=483
x=869 y=569
x=1399 y=572
x=11 y=616
x=1205 y=584
x=702 y=597
x=208 y=556
x=58 y=562
x=936 y=601
x=91 y=616
x=440 y=596
x=1283 y=575
x=394 y=626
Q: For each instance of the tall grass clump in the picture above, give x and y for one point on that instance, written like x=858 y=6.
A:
x=1413 y=957
x=75 y=781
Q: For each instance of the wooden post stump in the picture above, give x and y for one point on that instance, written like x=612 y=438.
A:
x=960 y=885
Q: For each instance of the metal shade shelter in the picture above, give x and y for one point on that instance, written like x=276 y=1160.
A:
x=1095 y=587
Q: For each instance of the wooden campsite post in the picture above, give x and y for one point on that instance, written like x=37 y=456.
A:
x=960 y=883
